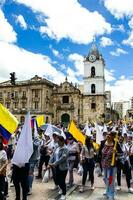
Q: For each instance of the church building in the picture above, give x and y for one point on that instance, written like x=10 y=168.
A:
x=60 y=103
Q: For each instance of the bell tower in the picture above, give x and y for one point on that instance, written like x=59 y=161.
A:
x=94 y=80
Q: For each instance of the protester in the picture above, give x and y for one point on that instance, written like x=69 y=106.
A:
x=44 y=155
x=129 y=146
x=33 y=161
x=87 y=160
x=108 y=169
x=60 y=163
x=52 y=147
x=72 y=158
x=3 y=165
x=20 y=160
x=123 y=163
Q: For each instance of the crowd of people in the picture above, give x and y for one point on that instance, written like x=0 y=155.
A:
x=60 y=154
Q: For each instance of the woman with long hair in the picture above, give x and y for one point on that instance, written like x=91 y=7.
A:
x=87 y=161
x=109 y=169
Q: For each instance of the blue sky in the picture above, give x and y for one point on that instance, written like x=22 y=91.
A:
x=50 y=38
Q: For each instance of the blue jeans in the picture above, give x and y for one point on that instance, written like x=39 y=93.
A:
x=31 y=172
x=110 y=188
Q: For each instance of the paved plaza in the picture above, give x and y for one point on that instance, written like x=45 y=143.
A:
x=43 y=191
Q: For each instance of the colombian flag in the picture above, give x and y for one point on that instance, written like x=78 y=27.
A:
x=8 y=123
x=40 y=120
x=75 y=132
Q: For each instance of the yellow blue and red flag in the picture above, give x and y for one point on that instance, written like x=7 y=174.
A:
x=40 y=120
x=8 y=123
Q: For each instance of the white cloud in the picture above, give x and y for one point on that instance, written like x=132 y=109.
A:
x=68 y=19
x=77 y=59
x=119 y=8
x=118 y=52
x=122 y=89
x=56 y=52
x=71 y=75
x=109 y=75
x=130 y=23
x=7 y=33
x=104 y=41
x=63 y=67
x=120 y=28
x=21 y=21
x=129 y=41
x=27 y=65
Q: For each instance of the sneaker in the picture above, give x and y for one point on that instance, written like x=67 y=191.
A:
x=63 y=197
x=118 y=188
x=55 y=187
x=130 y=190
x=92 y=187
x=60 y=191
x=30 y=191
x=81 y=189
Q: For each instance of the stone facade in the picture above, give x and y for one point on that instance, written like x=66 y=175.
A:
x=60 y=103
x=34 y=95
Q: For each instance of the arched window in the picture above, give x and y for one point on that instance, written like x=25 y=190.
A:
x=93 y=106
x=93 y=89
x=93 y=73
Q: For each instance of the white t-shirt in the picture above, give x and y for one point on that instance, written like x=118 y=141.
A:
x=3 y=157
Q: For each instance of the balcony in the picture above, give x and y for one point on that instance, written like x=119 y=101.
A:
x=35 y=99
x=23 y=99
x=65 y=106
x=23 y=110
x=16 y=99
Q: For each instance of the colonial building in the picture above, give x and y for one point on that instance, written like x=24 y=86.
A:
x=60 y=103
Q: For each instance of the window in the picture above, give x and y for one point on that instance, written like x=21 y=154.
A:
x=15 y=105
x=24 y=93
x=36 y=105
x=16 y=94
x=93 y=88
x=0 y=94
x=36 y=93
x=93 y=71
x=93 y=105
x=8 y=105
x=8 y=94
x=65 y=99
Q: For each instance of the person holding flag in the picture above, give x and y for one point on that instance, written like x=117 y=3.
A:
x=108 y=164
x=20 y=160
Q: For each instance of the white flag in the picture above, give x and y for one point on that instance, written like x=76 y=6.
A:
x=124 y=130
x=105 y=129
x=24 y=148
x=87 y=130
x=99 y=135
x=35 y=130
x=49 y=130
